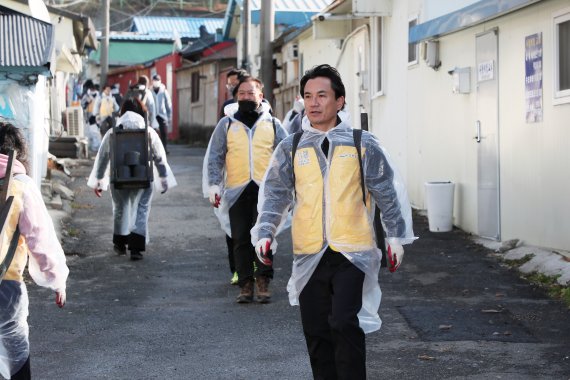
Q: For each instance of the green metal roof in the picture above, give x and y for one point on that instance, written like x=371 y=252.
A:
x=124 y=53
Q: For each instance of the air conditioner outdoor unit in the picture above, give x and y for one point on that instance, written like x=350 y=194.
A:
x=74 y=120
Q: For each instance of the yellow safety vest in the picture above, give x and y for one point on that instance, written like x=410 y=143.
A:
x=245 y=151
x=106 y=107
x=347 y=217
x=16 y=268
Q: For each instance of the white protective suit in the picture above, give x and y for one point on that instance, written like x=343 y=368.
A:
x=214 y=171
x=38 y=243
x=327 y=224
x=126 y=202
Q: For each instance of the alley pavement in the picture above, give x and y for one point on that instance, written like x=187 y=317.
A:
x=452 y=311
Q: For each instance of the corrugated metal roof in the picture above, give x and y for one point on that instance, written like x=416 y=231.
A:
x=123 y=53
x=134 y=36
x=186 y=27
x=294 y=5
x=287 y=12
x=25 y=42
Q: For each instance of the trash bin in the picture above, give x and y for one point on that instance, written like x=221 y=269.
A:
x=439 y=202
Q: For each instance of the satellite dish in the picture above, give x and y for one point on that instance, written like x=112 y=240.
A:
x=39 y=10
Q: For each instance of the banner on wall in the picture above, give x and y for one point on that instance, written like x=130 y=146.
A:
x=533 y=77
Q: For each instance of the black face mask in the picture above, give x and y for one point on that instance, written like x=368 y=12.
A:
x=247 y=106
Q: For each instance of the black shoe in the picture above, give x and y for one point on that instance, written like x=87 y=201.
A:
x=136 y=255
x=120 y=250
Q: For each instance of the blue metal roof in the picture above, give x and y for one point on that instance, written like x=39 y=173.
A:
x=293 y=5
x=185 y=27
x=471 y=15
x=26 y=44
x=287 y=12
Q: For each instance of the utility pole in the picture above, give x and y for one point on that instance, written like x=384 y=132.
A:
x=245 y=23
x=105 y=43
x=267 y=29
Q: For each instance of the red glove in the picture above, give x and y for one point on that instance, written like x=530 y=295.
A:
x=263 y=251
x=60 y=298
x=395 y=257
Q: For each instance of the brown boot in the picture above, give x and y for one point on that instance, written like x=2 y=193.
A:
x=246 y=293
x=262 y=289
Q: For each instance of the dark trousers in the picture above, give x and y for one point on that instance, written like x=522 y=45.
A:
x=230 y=244
x=243 y=215
x=23 y=373
x=133 y=241
x=106 y=124
x=329 y=304
x=163 y=127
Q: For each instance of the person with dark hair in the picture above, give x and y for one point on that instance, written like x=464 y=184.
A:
x=106 y=107
x=131 y=207
x=145 y=96
x=37 y=246
x=234 y=165
x=89 y=99
x=232 y=79
x=327 y=174
x=163 y=106
x=115 y=91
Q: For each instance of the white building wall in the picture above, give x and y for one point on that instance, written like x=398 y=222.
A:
x=429 y=130
x=535 y=157
x=314 y=52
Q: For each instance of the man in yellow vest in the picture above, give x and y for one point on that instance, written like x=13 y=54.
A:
x=238 y=153
x=336 y=258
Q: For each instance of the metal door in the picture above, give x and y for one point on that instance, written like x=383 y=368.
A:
x=487 y=135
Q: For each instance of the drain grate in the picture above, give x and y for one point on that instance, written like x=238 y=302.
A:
x=439 y=323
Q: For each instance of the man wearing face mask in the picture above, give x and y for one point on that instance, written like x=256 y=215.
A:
x=238 y=154
x=232 y=79
x=89 y=100
x=163 y=108
x=147 y=99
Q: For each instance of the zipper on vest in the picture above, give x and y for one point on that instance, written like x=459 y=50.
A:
x=250 y=140
x=325 y=190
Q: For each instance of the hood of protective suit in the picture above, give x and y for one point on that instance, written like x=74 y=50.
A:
x=131 y=120
x=17 y=166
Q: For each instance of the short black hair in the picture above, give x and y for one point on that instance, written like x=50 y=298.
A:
x=326 y=71
x=247 y=78
x=239 y=72
x=143 y=79
x=135 y=105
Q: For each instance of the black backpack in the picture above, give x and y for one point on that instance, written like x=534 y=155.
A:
x=378 y=228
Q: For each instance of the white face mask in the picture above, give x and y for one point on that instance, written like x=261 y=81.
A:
x=156 y=83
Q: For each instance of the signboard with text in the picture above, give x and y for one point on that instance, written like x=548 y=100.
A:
x=533 y=78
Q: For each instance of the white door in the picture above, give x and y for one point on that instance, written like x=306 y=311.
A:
x=487 y=135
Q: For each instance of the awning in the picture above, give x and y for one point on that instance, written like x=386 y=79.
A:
x=469 y=16
x=26 y=45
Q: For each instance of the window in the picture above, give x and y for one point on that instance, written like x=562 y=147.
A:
x=412 y=48
x=377 y=74
x=562 y=57
x=195 y=96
